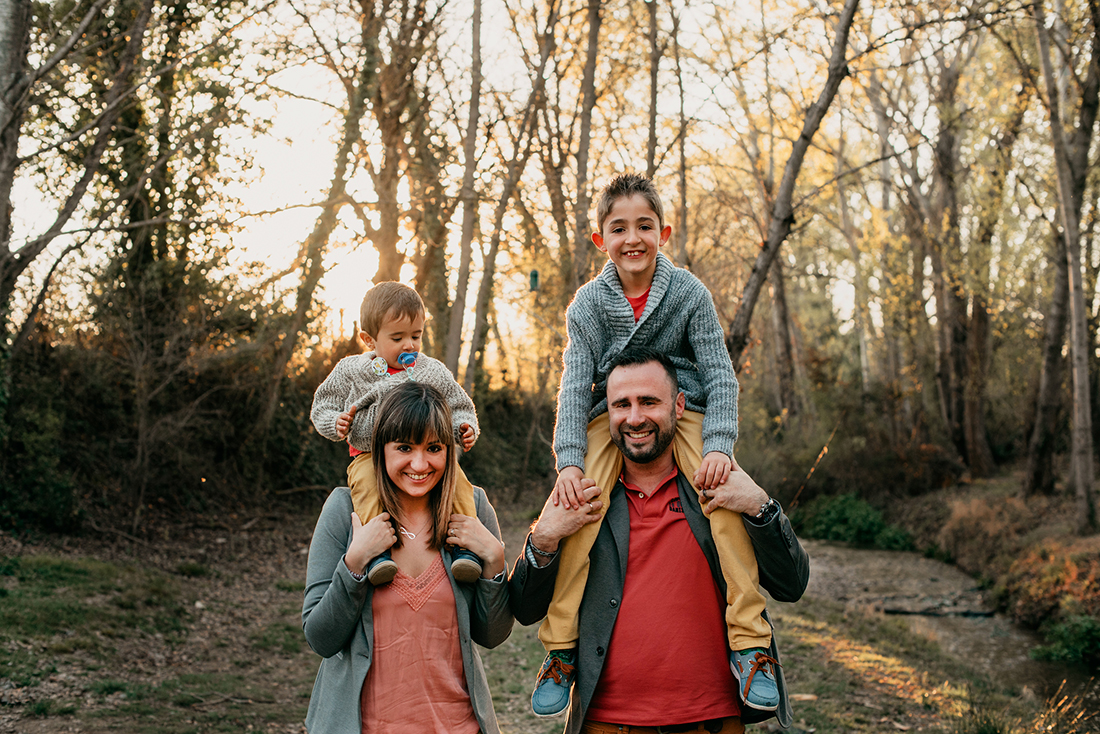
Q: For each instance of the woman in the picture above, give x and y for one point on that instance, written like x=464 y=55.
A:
x=400 y=657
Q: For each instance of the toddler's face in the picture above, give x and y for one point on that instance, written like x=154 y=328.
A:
x=398 y=336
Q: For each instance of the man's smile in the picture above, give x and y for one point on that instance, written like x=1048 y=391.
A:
x=639 y=434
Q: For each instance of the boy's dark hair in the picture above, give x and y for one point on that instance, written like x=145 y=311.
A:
x=644 y=355
x=388 y=300
x=622 y=186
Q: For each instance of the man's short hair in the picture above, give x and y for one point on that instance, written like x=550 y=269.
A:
x=626 y=185
x=388 y=300
x=644 y=355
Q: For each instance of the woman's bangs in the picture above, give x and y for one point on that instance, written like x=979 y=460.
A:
x=418 y=422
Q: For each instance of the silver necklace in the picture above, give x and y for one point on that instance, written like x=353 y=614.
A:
x=412 y=536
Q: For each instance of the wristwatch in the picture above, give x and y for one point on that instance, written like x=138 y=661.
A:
x=768 y=510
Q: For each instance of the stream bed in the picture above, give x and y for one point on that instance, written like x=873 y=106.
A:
x=943 y=604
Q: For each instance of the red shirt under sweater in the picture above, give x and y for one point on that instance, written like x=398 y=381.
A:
x=667 y=662
x=638 y=304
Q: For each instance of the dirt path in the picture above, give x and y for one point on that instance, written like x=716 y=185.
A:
x=238 y=662
x=940 y=603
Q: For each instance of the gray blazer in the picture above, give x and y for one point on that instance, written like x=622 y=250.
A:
x=784 y=572
x=336 y=617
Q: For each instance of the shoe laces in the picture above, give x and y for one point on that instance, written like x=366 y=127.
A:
x=761 y=662
x=556 y=668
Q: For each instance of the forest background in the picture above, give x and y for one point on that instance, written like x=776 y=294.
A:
x=893 y=203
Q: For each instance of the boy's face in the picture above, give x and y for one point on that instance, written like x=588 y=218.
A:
x=631 y=236
x=395 y=337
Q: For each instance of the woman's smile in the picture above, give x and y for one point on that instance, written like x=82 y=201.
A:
x=415 y=467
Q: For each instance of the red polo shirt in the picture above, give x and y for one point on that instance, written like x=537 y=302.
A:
x=667 y=662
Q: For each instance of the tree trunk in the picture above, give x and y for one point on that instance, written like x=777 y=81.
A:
x=946 y=257
x=782 y=217
x=431 y=212
x=680 y=255
x=1039 y=468
x=784 y=358
x=979 y=456
x=522 y=144
x=469 y=201
x=313 y=248
x=1079 y=346
x=859 y=283
x=545 y=369
x=388 y=234
x=14 y=39
x=1039 y=475
x=979 y=343
x=893 y=322
x=13 y=263
x=582 y=230
x=654 y=66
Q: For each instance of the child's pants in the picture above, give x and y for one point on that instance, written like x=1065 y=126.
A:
x=366 y=500
x=604 y=463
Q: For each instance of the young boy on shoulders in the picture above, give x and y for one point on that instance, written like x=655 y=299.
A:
x=642 y=299
x=345 y=407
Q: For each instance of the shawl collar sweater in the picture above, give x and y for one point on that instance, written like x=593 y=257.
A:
x=679 y=320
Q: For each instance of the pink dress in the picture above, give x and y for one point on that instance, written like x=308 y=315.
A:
x=416 y=681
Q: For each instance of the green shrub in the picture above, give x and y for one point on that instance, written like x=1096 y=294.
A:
x=980 y=720
x=288 y=585
x=49 y=707
x=107 y=687
x=278 y=636
x=193 y=569
x=848 y=519
x=1073 y=639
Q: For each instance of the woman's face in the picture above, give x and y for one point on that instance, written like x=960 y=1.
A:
x=415 y=467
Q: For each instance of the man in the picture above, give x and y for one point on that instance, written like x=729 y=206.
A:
x=653 y=653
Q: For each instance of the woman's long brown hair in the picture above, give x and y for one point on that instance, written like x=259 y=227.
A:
x=416 y=413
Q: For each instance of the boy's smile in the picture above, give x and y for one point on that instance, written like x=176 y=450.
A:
x=631 y=237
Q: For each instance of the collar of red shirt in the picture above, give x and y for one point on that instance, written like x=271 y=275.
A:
x=660 y=485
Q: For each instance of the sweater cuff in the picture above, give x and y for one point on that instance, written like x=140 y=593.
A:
x=569 y=457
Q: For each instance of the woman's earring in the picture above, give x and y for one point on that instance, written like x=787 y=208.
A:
x=378 y=366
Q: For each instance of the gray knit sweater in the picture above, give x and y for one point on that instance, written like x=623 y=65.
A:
x=679 y=320
x=353 y=383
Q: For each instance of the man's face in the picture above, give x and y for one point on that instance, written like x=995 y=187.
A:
x=643 y=411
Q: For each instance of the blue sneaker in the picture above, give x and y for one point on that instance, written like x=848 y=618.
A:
x=756 y=677
x=465 y=565
x=381 y=569
x=551 y=695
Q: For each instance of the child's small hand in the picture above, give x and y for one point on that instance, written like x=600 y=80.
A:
x=714 y=470
x=367 y=541
x=569 y=488
x=471 y=534
x=343 y=422
x=466 y=431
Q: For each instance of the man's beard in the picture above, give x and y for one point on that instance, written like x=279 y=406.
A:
x=645 y=454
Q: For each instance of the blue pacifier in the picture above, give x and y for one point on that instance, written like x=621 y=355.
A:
x=407 y=360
